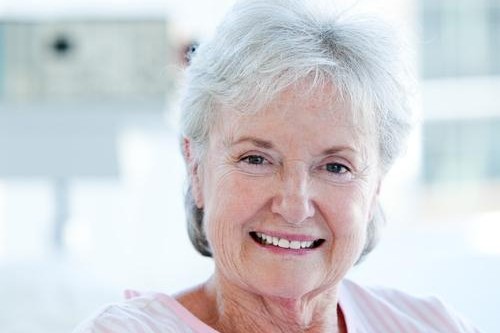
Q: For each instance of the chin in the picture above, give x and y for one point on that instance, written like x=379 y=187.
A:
x=281 y=287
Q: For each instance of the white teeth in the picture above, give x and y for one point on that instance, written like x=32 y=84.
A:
x=305 y=244
x=269 y=239
x=284 y=243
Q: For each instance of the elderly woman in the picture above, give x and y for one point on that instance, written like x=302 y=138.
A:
x=292 y=115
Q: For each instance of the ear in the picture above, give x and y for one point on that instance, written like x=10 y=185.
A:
x=194 y=172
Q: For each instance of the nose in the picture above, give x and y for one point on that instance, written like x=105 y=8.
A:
x=293 y=197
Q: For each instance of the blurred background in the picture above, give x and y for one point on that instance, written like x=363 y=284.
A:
x=91 y=178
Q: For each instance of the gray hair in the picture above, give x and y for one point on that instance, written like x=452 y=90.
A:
x=264 y=46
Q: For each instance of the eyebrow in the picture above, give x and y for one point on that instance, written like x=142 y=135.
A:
x=337 y=149
x=255 y=141
x=269 y=145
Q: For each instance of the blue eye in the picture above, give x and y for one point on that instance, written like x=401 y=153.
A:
x=336 y=168
x=254 y=159
x=255 y=165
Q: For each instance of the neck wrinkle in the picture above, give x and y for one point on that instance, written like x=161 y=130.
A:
x=241 y=311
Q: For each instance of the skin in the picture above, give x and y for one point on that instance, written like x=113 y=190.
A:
x=299 y=169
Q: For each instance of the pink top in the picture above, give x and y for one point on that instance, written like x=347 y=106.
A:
x=366 y=310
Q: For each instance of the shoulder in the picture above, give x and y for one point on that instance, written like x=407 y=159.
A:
x=148 y=312
x=397 y=311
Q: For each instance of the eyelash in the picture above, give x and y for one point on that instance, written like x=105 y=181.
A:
x=248 y=159
x=343 y=174
x=336 y=172
x=344 y=169
x=255 y=164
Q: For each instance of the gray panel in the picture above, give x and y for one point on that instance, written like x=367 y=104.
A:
x=460 y=37
x=57 y=145
x=461 y=150
x=86 y=60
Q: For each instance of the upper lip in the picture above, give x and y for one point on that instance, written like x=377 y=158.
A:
x=291 y=237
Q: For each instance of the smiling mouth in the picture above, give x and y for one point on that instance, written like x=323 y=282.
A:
x=284 y=243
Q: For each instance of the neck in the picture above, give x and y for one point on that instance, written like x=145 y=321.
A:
x=239 y=310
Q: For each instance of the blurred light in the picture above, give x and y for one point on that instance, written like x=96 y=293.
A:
x=136 y=156
x=484 y=233
x=198 y=23
x=78 y=8
x=77 y=236
x=3 y=231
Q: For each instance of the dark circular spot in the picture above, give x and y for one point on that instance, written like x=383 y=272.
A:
x=61 y=45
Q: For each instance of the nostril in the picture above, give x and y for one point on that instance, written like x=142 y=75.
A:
x=294 y=208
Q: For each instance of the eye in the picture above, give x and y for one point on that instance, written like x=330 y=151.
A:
x=255 y=164
x=336 y=168
x=336 y=173
x=254 y=159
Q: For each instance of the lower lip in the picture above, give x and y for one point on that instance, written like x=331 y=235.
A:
x=283 y=251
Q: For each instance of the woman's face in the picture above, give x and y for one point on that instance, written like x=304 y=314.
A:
x=287 y=194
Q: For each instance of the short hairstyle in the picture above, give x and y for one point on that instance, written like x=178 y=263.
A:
x=264 y=46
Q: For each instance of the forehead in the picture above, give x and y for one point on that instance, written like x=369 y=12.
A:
x=324 y=103
x=299 y=112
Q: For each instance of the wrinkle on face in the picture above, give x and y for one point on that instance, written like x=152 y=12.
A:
x=298 y=135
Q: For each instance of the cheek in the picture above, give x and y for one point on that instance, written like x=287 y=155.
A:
x=231 y=203
x=348 y=217
x=351 y=209
x=238 y=194
x=348 y=225
x=232 y=206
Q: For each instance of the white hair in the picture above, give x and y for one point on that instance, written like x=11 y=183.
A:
x=264 y=46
